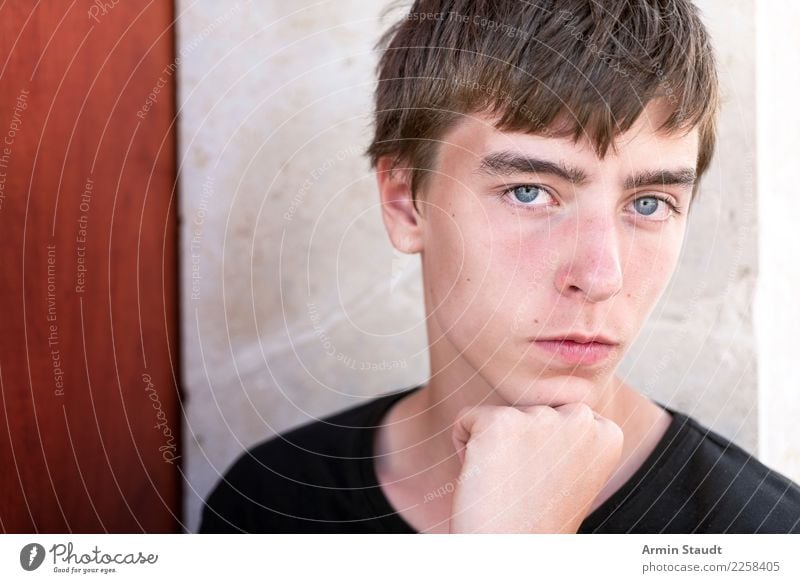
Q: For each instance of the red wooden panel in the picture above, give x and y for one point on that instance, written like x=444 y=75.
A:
x=89 y=407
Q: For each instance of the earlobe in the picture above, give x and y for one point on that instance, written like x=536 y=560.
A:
x=399 y=215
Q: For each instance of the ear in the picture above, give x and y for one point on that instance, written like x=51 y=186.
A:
x=399 y=215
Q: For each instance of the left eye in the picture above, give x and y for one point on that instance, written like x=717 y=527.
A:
x=648 y=205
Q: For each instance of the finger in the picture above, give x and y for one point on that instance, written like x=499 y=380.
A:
x=577 y=405
x=462 y=430
x=469 y=421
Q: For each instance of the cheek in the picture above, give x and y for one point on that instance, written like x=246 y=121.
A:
x=647 y=271
x=528 y=262
x=458 y=267
x=456 y=259
x=484 y=278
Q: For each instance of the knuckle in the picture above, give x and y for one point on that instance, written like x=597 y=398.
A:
x=538 y=415
x=489 y=418
x=582 y=412
x=611 y=433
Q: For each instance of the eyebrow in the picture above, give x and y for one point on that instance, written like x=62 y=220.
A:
x=679 y=177
x=507 y=162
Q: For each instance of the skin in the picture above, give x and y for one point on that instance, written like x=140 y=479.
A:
x=500 y=270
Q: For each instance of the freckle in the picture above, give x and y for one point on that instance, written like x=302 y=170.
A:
x=468 y=279
x=535 y=321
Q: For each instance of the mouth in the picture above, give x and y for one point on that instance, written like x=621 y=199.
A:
x=579 y=349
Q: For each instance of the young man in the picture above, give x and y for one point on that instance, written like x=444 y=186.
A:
x=542 y=158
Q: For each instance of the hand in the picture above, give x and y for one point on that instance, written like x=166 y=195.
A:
x=530 y=469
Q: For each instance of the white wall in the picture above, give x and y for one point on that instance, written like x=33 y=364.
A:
x=290 y=286
x=777 y=309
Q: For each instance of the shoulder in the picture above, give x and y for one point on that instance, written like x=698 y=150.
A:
x=294 y=481
x=730 y=490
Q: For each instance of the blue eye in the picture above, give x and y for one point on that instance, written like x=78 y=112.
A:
x=646 y=205
x=529 y=197
x=526 y=192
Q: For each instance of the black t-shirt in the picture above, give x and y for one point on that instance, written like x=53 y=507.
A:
x=320 y=478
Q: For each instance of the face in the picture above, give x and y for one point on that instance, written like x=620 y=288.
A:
x=527 y=237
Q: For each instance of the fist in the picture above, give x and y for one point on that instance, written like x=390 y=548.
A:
x=530 y=469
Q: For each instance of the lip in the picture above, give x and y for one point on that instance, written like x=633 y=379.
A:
x=581 y=337
x=578 y=349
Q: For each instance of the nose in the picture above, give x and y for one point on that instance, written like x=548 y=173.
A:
x=590 y=260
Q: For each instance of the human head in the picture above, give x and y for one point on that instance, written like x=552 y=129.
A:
x=497 y=276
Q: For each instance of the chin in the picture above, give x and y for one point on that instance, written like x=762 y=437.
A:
x=552 y=391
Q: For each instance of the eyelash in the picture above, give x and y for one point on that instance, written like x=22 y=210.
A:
x=675 y=208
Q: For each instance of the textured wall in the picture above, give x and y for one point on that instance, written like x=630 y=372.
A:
x=294 y=303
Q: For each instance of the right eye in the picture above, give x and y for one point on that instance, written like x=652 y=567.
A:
x=529 y=196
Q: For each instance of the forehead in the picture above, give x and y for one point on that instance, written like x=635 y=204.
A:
x=642 y=146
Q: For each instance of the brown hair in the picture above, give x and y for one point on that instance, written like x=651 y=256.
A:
x=595 y=64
